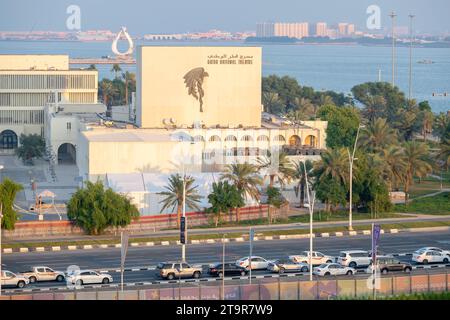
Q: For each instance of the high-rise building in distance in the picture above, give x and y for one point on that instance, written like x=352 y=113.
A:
x=280 y=29
x=321 y=29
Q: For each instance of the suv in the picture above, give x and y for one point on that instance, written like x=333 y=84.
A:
x=174 y=270
x=387 y=264
x=354 y=258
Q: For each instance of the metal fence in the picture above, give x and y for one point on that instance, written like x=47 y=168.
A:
x=269 y=289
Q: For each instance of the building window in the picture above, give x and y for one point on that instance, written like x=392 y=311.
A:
x=69 y=126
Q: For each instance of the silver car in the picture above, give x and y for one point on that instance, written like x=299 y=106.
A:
x=286 y=265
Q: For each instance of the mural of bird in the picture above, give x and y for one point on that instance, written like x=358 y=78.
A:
x=194 y=81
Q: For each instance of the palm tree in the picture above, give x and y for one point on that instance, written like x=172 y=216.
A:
x=282 y=171
x=415 y=156
x=174 y=195
x=92 y=67
x=129 y=78
x=246 y=179
x=441 y=121
x=116 y=69
x=374 y=107
x=299 y=174
x=108 y=90
x=377 y=135
x=427 y=118
x=272 y=102
x=444 y=152
x=305 y=106
x=394 y=166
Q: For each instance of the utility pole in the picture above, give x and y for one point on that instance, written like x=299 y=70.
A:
x=411 y=17
x=183 y=247
x=393 y=15
x=351 y=159
x=311 y=214
x=223 y=267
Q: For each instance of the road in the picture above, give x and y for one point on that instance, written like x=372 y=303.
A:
x=108 y=259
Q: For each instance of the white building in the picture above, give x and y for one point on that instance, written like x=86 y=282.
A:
x=28 y=83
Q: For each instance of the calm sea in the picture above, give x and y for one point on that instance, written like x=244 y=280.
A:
x=323 y=67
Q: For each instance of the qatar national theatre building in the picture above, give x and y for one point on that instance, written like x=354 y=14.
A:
x=197 y=110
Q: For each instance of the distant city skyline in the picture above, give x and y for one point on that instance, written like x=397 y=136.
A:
x=178 y=16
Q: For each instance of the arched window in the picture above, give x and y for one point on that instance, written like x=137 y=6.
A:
x=279 y=138
x=214 y=138
x=263 y=138
x=8 y=139
x=199 y=138
x=230 y=138
x=311 y=141
x=295 y=141
x=247 y=138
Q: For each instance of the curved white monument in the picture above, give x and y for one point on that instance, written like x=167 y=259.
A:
x=130 y=43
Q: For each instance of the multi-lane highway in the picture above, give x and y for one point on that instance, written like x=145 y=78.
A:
x=148 y=257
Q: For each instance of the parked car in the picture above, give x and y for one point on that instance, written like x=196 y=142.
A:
x=231 y=269
x=447 y=252
x=82 y=277
x=430 y=256
x=387 y=264
x=287 y=265
x=10 y=279
x=258 y=263
x=175 y=270
x=317 y=258
x=354 y=258
x=43 y=274
x=333 y=269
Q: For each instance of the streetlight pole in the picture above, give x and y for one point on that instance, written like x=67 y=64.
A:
x=223 y=267
x=311 y=213
x=393 y=15
x=351 y=158
x=411 y=17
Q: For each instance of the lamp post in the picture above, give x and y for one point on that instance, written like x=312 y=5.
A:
x=223 y=266
x=352 y=158
x=393 y=15
x=411 y=17
x=311 y=213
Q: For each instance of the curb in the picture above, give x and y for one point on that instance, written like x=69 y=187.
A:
x=214 y=241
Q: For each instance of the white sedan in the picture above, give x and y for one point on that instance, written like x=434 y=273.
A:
x=333 y=269
x=82 y=277
x=447 y=252
x=430 y=256
x=258 y=263
x=317 y=258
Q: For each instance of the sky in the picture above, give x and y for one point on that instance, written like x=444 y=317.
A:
x=178 y=16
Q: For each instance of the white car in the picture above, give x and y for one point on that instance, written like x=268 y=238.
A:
x=354 y=258
x=430 y=256
x=82 y=277
x=10 y=279
x=317 y=258
x=258 y=263
x=447 y=252
x=287 y=265
x=333 y=269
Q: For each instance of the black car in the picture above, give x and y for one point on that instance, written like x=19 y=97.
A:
x=231 y=269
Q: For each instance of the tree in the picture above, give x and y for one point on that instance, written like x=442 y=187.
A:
x=415 y=156
x=8 y=193
x=31 y=146
x=94 y=209
x=116 y=69
x=441 y=122
x=444 y=152
x=274 y=199
x=107 y=90
x=174 y=195
x=299 y=175
x=130 y=80
x=343 y=123
x=272 y=103
x=377 y=136
x=281 y=171
x=394 y=166
x=92 y=67
x=224 y=198
x=246 y=179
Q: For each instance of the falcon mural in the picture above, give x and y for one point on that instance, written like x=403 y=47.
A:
x=194 y=81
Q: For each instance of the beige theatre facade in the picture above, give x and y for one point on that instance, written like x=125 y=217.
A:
x=197 y=110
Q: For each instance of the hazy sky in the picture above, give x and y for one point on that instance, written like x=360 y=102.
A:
x=172 y=16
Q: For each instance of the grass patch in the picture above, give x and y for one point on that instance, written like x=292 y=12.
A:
x=438 y=204
x=115 y=240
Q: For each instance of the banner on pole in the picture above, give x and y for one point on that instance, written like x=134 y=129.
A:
x=375 y=240
x=183 y=230
x=124 y=248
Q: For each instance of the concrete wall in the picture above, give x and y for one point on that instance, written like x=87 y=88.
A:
x=39 y=62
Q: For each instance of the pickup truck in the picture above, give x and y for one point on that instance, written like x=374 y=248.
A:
x=176 y=270
x=43 y=274
x=10 y=279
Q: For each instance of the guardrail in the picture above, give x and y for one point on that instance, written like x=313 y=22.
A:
x=282 y=288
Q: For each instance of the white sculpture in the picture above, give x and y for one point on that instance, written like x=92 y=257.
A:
x=130 y=43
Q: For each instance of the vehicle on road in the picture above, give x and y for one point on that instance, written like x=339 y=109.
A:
x=443 y=251
x=42 y=273
x=176 y=270
x=333 y=269
x=258 y=263
x=82 y=277
x=387 y=264
x=231 y=269
x=287 y=265
x=10 y=279
x=354 y=258
x=430 y=256
x=317 y=258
